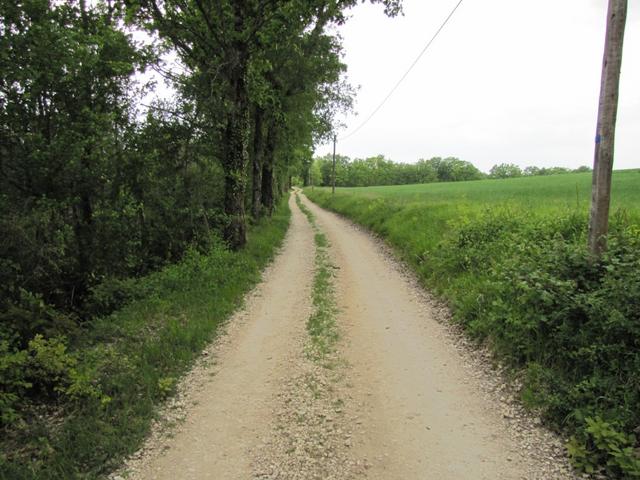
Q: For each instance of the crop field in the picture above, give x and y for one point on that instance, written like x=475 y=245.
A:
x=569 y=191
x=510 y=259
x=423 y=214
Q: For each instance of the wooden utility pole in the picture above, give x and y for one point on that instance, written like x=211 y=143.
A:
x=333 y=170
x=606 y=127
x=311 y=176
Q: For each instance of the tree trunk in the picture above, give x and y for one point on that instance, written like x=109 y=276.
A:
x=235 y=158
x=256 y=163
x=267 y=169
x=605 y=131
x=84 y=226
x=85 y=233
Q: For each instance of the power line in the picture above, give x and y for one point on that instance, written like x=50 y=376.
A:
x=426 y=47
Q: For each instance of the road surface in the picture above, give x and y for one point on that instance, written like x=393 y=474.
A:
x=399 y=401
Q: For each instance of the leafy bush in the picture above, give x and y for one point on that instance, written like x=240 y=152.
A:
x=44 y=370
x=12 y=382
x=600 y=447
x=545 y=304
x=106 y=383
x=29 y=315
x=113 y=293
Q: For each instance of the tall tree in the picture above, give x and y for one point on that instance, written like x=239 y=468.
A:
x=64 y=111
x=217 y=41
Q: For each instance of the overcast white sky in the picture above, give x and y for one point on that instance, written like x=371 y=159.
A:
x=506 y=81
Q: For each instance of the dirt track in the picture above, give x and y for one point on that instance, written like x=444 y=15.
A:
x=411 y=404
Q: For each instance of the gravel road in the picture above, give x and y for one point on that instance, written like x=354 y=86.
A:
x=404 y=397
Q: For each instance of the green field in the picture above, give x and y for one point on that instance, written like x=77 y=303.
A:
x=541 y=197
x=570 y=191
x=510 y=258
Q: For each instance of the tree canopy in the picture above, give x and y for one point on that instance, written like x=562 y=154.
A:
x=100 y=183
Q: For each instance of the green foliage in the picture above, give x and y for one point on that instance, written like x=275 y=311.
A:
x=544 y=171
x=111 y=294
x=45 y=369
x=91 y=197
x=509 y=170
x=127 y=363
x=13 y=382
x=49 y=364
x=601 y=448
x=505 y=170
x=518 y=276
x=380 y=171
x=166 y=385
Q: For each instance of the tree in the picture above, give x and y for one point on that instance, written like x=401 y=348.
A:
x=64 y=118
x=452 y=169
x=505 y=170
x=215 y=44
x=426 y=172
x=222 y=42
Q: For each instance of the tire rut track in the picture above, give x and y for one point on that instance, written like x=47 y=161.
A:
x=229 y=398
x=312 y=435
x=423 y=401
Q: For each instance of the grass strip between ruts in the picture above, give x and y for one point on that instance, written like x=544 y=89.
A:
x=321 y=324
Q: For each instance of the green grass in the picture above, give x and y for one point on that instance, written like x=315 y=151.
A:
x=510 y=258
x=135 y=357
x=321 y=325
x=399 y=213
x=567 y=191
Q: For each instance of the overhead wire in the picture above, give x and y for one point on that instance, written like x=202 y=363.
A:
x=426 y=47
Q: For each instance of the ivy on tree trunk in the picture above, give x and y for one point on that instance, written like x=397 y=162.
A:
x=256 y=162
x=235 y=158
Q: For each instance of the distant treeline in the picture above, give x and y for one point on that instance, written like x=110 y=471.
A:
x=379 y=170
x=509 y=170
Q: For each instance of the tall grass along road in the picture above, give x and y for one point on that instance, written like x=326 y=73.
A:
x=337 y=369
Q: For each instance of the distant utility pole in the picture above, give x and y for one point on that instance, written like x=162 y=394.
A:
x=333 y=170
x=311 y=176
x=606 y=128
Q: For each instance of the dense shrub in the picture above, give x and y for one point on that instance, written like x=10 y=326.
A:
x=73 y=408
x=530 y=287
x=45 y=370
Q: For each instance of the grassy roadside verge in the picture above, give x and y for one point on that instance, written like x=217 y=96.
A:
x=130 y=361
x=321 y=325
x=518 y=277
